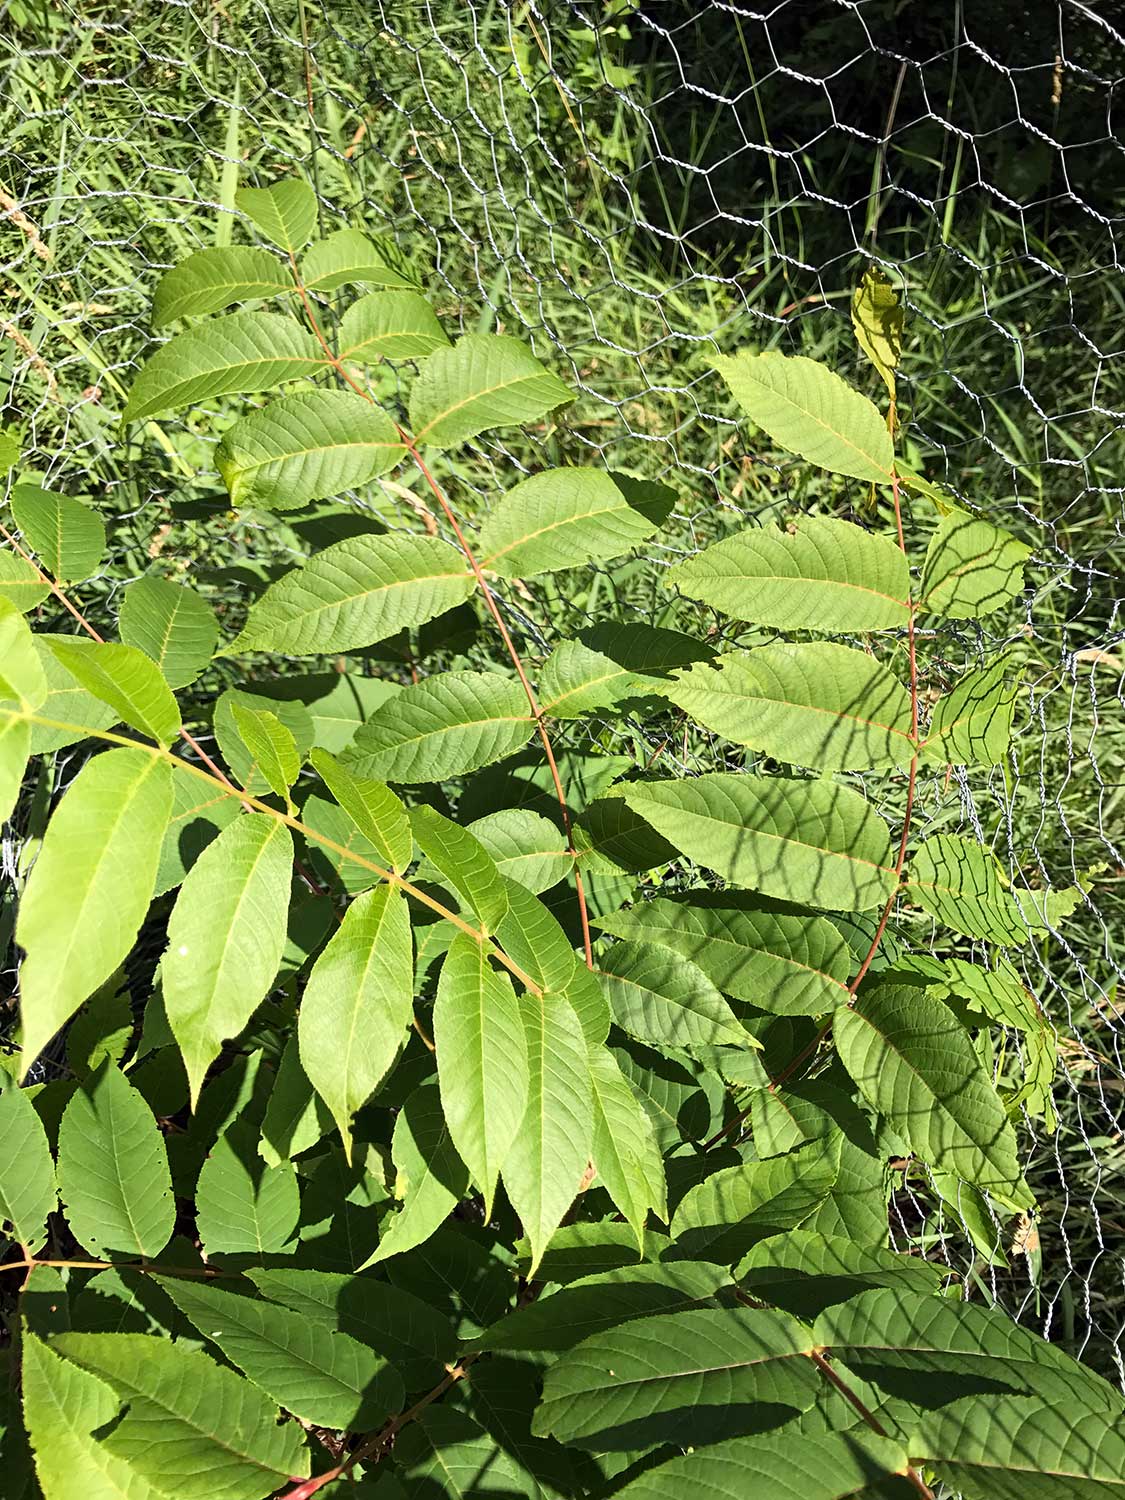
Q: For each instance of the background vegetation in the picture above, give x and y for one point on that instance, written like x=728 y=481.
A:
x=630 y=191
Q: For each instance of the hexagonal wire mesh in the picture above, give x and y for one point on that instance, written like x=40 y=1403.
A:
x=629 y=187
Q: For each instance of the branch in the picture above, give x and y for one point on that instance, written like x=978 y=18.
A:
x=912 y=1476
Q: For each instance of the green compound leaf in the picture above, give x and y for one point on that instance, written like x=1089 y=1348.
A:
x=347 y=257
x=225 y=938
x=877 y=322
x=293 y=716
x=722 y=1217
x=1023 y=1448
x=240 y=354
x=355 y=593
x=810 y=703
x=810 y=411
x=486 y=380
x=113 y=1170
x=928 y=1349
x=627 y=1160
x=916 y=1065
x=431 y=1179
x=788 y=964
x=66 y=703
x=27 y=1173
x=824 y=575
x=441 y=727
x=23 y=689
x=64 y=1410
x=462 y=862
x=272 y=748
x=567 y=518
x=786 y=1465
x=533 y=936
x=242 y=1206
x=972 y=568
x=215 y=278
x=172 y=624
x=577 y=681
x=192 y=1427
x=21 y=584
x=548 y=1158
x=318 y=1375
x=683 y=1378
x=806 y=1272
x=810 y=842
x=358 y=1004
x=972 y=723
x=285 y=213
x=306 y=447
x=374 y=809
x=662 y=997
x=90 y=888
x=526 y=847
x=961 y=883
x=390 y=325
x=482 y=1060
x=125 y=678
x=68 y=535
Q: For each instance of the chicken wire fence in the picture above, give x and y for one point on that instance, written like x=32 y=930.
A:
x=630 y=188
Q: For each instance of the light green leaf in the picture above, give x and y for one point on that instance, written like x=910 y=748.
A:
x=236 y=355
x=416 y=1339
x=172 y=624
x=431 y=1179
x=587 y=996
x=917 y=1066
x=810 y=411
x=533 y=936
x=318 y=1375
x=972 y=723
x=811 y=703
x=337 y=702
x=215 y=278
x=972 y=568
x=90 y=888
x=66 y=703
x=125 y=678
x=10 y=450
x=680 y=1378
x=822 y=575
x=486 y=380
x=462 y=862
x=442 y=726
x=358 y=1004
x=878 y=321
x=194 y=1427
x=27 y=1173
x=23 y=689
x=346 y=257
x=810 y=842
x=777 y=961
x=806 y=1272
x=113 y=1170
x=331 y=833
x=526 y=847
x=285 y=213
x=783 y=1465
x=925 y=1348
x=244 y=1207
x=372 y=807
x=626 y=1155
x=545 y=1166
x=306 y=447
x=20 y=582
x=15 y=748
x=1023 y=1448
x=722 y=1217
x=661 y=997
x=482 y=1060
x=225 y=938
x=961 y=883
x=292 y=715
x=272 y=747
x=577 y=681
x=68 y=535
x=296 y=1118
x=390 y=325
x=64 y=1408
x=355 y=593
x=569 y=517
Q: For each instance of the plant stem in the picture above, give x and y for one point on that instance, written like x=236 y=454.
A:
x=912 y=1476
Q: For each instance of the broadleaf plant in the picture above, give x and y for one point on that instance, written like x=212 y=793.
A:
x=449 y=1097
